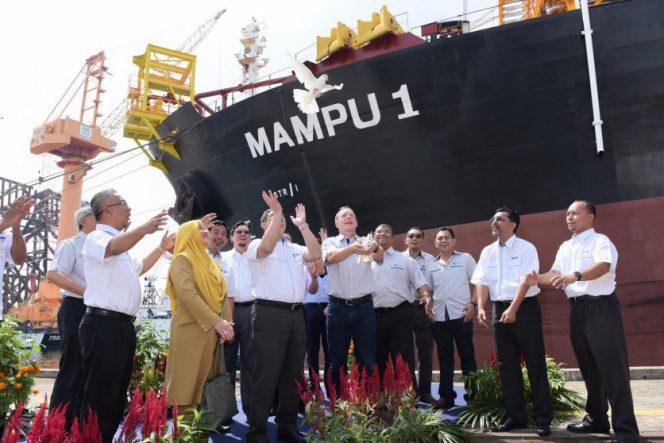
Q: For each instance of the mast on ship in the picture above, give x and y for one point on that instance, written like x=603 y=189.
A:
x=250 y=58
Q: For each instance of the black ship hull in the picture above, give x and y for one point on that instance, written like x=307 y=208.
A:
x=444 y=132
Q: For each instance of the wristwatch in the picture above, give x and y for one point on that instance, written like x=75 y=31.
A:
x=578 y=275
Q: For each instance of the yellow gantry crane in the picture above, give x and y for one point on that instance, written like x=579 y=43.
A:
x=165 y=82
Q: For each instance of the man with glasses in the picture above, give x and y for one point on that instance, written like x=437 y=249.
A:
x=112 y=298
x=422 y=324
x=448 y=276
x=66 y=271
x=238 y=279
x=502 y=267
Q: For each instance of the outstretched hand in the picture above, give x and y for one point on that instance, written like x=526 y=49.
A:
x=272 y=202
x=322 y=232
x=207 y=219
x=300 y=215
x=167 y=242
x=156 y=223
x=17 y=211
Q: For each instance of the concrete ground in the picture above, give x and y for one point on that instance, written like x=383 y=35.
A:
x=648 y=404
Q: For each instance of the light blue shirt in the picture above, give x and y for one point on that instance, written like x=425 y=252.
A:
x=321 y=295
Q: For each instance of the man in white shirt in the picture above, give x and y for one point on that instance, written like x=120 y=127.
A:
x=238 y=279
x=449 y=277
x=112 y=298
x=395 y=276
x=66 y=271
x=279 y=335
x=500 y=271
x=585 y=268
x=12 y=246
x=422 y=323
x=217 y=241
x=350 y=286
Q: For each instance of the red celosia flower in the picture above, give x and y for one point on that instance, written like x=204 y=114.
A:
x=13 y=427
x=75 y=435
x=90 y=432
x=133 y=418
x=332 y=392
x=55 y=430
x=38 y=424
x=175 y=421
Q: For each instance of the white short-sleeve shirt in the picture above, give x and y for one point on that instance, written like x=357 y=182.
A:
x=450 y=284
x=112 y=282
x=581 y=252
x=279 y=276
x=395 y=279
x=347 y=279
x=502 y=268
x=5 y=259
x=238 y=275
x=68 y=259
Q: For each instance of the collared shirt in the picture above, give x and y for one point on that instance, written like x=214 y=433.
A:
x=112 y=282
x=450 y=284
x=279 y=276
x=421 y=260
x=5 y=259
x=321 y=295
x=348 y=278
x=581 y=252
x=69 y=261
x=219 y=259
x=238 y=275
x=502 y=268
x=395 y=278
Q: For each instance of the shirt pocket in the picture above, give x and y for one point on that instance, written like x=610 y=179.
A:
x=584 y=258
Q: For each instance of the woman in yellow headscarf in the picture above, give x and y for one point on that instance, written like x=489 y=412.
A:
x=201 y=310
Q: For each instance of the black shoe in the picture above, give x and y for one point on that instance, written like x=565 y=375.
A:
x=508 y=425
x=293 y=436
x=583 y=427
x=543 y=430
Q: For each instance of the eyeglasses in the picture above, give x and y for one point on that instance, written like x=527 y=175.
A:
x=414 y=235
x=120 y=203
x=242 y=232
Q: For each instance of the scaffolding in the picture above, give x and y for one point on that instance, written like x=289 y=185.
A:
x=39 y=230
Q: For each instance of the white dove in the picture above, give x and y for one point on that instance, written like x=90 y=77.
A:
x=306 y=99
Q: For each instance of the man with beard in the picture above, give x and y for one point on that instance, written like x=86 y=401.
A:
x=112 y=298
x=502 y=267
x=279 y=335
x=585 y=268
x=422 y=324
x=395 y=276
x=238 y=279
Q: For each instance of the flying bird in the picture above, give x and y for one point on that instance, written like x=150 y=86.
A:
x=315 y=87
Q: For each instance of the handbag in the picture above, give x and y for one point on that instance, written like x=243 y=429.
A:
x=219 y=404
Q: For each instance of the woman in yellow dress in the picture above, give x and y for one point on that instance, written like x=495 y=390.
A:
x=201 y=316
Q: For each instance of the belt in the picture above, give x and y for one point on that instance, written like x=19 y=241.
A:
x=351 y=301
x=585 y=297
x=509 y=302
x=382 y=310
x=108 y=313
x=244 y=303
x=70 y=298
x=321 y=304
x=278 y=304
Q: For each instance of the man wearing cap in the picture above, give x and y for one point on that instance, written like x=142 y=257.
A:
x=67 y=272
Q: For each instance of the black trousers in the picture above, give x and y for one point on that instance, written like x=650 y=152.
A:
x=244 y=342
x=68 y=387
x=424 y=344
x=279 y=348
x=107 y=349
x=447 y=333
x=523 y=337
x=394 y=336
x=316 y=323
x=598 y=339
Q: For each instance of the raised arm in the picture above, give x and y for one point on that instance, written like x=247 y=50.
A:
x=127 y=240
x=271 y=234
x=300 y=221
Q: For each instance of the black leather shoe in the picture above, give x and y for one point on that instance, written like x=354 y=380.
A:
x=508 y=425
x=543 y=430
x=582 y=427
x=291 y=436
